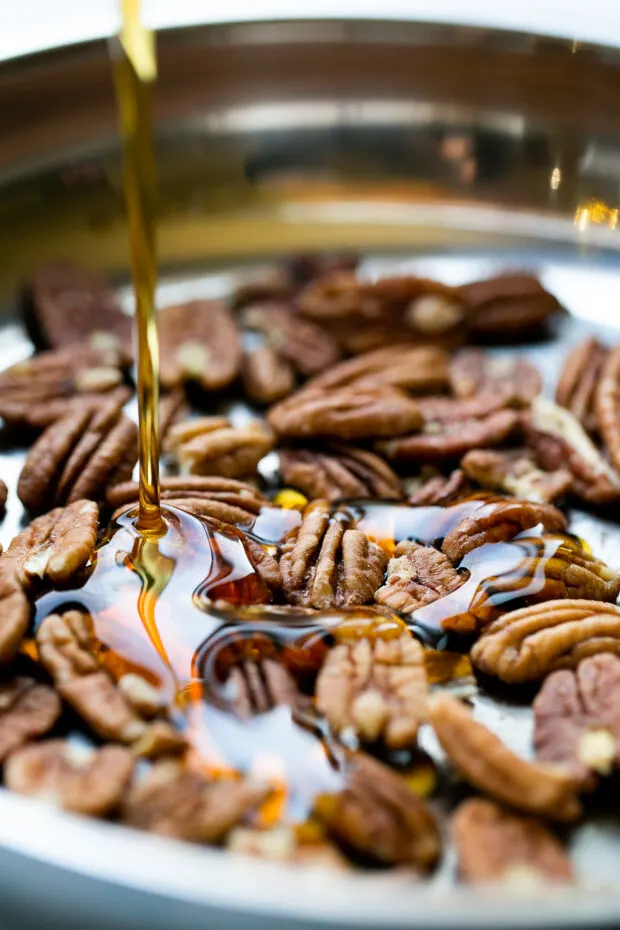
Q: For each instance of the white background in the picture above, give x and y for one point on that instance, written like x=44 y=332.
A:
x=28 y=25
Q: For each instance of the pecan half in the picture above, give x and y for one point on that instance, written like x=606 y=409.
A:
x=490 y=766
x=346 y=413
x=27 y=710
x=498 y=521
x=473 y=372
x=494 y=845
x=15 y=611
x=577 y=718
x=56 y=545
x=527 y=644
x=71 y=304
x=558 y=440
x=325 y=563
x=183 y=804
x=41 y=389
x=375 y=688
x=337 y=470
x=440 y=489
x=417 y=575
x=212 y=446
x=67 y=649
x=267 y=377
x=418 y=370
x=78 y=456
x=73 y=776
x=507 y=303
x=607 y=404
x=222 y=498
x=515 y=472
x=378 y=815
x=199 y=342
x=451 y=428
x=578 y=379
x=306 y=346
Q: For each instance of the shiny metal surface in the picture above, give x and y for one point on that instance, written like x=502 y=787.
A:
x=435 y=141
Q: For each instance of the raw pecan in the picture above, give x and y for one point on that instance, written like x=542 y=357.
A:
x=223 y=498
x=27 y=710
x=578 y=379
x=79 y=456
x=70 y=304
x=67 y=645
x=15 y=611
x=272 y=282
x=475 y=372
x=74 y=776
x=577 y=718
x=607 y=404
x=56 y=545
x=256 y=687
x=498 y=521
x=325 y=563
x=490 y=766
x=513 y=302
x=367 y=336
x=337 y=471
x=559 y=440
x=306 y=346
x=378 y=815
x=374 y=688
x=452 y=427
x=515 y=472
x=417 y=575
x=418 y=370
x=439 y=490
x=212 y=446
x=346 y=413
x=199 y=342
x=527 y=644
x=175 y=802
x=267 y=377
x=494 y=845
x=41 y=389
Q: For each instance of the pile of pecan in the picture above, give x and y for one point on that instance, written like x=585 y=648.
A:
x=358 y=390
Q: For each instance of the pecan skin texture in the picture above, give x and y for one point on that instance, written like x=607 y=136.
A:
x=439 y=490
x=375 y=688
x=576 y=387
x=212 y=446
x=558 y=440
x=338 y=471
x=199 y=342
x=417 y=370
x=525 y=645
x=494 y=845
x=577 y=718
x=473 y=372
x=304 y=345
x=86 y=781
x=55 y=546
x=182 y=804
x=346 y=413
x=499 y=521
x=417 y=575
x=27 y=710
x=506 y=304
x=15 y=612
x=607 y=404
x=70 y=304
x=379 y=816
x=452 y=427
x=326 y=564
x=260 y=686
x=514 y=472
x=267 y=377
x=489 y=765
